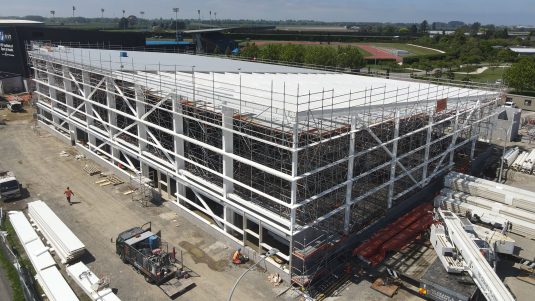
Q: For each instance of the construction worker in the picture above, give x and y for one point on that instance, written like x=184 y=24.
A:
x=238 y=258
x=68 y=193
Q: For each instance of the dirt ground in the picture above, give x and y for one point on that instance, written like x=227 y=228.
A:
x=100 y=213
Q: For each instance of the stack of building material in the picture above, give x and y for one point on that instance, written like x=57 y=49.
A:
x=510 y=156
x=396 y=235
x=525 y=162
x=67 y=246
x=505 y=194
x=47 y=273
x=492 y=203
x=94 y=287
x=32 y=244
x=55 y=286
x=517 y=164
x=527 y=166
x=497 y=215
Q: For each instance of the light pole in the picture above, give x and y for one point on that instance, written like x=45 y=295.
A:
x=102 y=13
x=73 y=9
x=270 y=253
x=176 y=9
x=507 y=133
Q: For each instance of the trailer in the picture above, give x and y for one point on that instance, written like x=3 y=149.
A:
x=153 y=258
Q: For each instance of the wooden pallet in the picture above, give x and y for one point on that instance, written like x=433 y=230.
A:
x=115 y=180
x=386 y=289
x=92 y=169
x=109 y=180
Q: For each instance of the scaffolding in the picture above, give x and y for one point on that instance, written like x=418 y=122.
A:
x=141 y=188
x=268 y=158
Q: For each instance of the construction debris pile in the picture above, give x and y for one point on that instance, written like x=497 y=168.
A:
x=67 y=246
x=520 y=161
x=496 y=204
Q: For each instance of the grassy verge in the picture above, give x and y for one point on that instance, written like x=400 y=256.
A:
x=489 y=75
x=11 y=272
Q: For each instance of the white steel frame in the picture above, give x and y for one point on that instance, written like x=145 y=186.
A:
x=81 y=112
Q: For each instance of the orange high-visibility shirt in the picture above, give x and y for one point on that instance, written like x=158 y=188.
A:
x=236 y=256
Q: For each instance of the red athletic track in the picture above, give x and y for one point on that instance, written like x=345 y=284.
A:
x=379 y=54
x=376 y=53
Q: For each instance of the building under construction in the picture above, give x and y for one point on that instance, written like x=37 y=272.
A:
x=267 y=155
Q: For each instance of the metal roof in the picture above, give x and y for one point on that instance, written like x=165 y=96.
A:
x=18 y=22
x=205 y=30
x=154 y=61
x=523 y=50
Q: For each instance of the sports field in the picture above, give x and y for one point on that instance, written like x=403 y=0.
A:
x=379 y=51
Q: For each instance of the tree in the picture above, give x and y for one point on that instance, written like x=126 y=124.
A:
x=450 y=75
x=123 y=23
x=506 y=55
x=349 y=57
x=228 y=52
x=413 y=29
x=424 y=26
x=474 y=28
x=217 y=50
x=521 y=75
x=250 y=51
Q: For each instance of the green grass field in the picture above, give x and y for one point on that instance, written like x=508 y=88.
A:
x=489 y=76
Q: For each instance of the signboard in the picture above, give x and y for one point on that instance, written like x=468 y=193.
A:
x=442 y=104
x=6 y=44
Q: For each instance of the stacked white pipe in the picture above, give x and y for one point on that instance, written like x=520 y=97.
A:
x=47 y=273
x=510 y=156
x=67 y=246
x=527 y=166
x=517 y=164
x=525 y=162
x=90 y=283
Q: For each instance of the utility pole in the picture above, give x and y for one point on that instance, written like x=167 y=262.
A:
x=199 y=13
x=210 y=17
x=507 y=135
x=73 y=9
x=102 y=13
x=124 y=20
x=176 y=10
